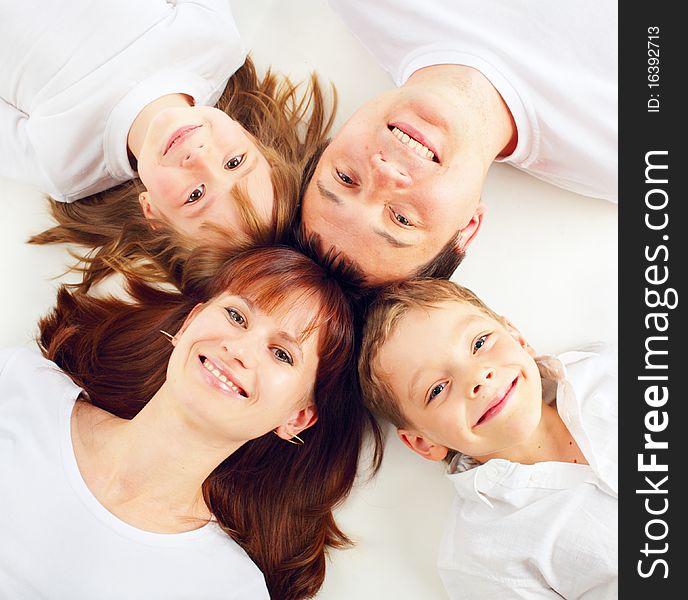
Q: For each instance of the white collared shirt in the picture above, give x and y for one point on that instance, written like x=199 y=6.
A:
x=550 y=529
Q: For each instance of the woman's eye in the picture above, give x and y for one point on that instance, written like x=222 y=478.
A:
x=480 y=342
x=235 y=161
x=283 y=356
x=402 y=219
x=345 y=178
x=196 y=195
x=436 y=391
x=236 y=316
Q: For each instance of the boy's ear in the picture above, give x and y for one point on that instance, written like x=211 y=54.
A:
x=190 y=317
x=470 y=230
x=518 y=336
x=421 y=445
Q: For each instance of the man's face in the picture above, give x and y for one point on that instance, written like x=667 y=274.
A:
x=396 y=183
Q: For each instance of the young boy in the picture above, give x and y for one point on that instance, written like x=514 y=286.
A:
x=531 y=442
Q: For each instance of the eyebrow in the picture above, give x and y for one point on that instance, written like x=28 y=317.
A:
x=283 y=335
x=332 y=197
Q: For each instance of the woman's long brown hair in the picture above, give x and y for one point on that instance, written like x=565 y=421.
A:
x=274 y=498
x=287 y=122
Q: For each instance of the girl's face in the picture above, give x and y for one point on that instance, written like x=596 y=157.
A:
x=239 y=372
x=191 y=159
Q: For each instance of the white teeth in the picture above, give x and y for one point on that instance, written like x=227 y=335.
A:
x=415 y=145
x=221 y=377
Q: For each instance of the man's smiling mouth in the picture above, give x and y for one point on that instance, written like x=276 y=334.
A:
x=413 y=140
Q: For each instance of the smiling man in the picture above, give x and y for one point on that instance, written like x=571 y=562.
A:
x=533 y=84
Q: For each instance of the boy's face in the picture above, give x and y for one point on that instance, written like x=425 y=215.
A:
x=464 y=380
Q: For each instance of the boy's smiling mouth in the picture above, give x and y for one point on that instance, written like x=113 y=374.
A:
x=498 y=403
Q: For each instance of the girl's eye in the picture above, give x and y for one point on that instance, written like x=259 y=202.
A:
x=402 y=219
x=235 y=161
x=196 y=195
x=236 y=316
x=436 y=391
x=480 y=342
x=283 y=356
x=345 y=178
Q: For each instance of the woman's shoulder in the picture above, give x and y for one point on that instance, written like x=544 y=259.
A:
x=26 y=374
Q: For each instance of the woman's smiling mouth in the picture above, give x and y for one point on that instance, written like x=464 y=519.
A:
x=219 y=377
x=496 y=406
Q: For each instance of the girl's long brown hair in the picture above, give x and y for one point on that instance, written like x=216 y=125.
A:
x=273 y=498
x=287 y=121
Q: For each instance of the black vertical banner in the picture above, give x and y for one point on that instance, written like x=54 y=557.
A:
x=653 y=170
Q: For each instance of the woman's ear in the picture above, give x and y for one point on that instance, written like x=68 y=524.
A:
x=190 y=317
x=421 y=445
x=518 y=336
x=298 y=422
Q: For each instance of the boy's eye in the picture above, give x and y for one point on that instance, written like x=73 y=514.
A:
x=235 y=161
x=480 y=342
x=283 y=356
x=196 y=195
x=436 y=391
x=236 y=316
x=345 y=178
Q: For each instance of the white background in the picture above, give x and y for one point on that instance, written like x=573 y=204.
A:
x=545 y=258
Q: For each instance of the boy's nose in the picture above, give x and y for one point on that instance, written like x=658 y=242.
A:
x=483 y=378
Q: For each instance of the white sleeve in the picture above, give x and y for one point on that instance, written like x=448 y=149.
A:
x=17 y=156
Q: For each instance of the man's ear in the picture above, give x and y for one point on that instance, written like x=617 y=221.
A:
x=297 y=422
x=518 y=336
x=421 y=445
x=190 y=317
x=470 y=230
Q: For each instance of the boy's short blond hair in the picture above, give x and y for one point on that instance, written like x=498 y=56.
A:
x=383 y=316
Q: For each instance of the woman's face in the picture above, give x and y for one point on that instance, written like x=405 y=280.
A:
x=240 y=372
x=191 y=159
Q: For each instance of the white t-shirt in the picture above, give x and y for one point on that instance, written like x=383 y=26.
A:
x=547 y=530
x=59 y=542
x=554 y=63
x=74 y=76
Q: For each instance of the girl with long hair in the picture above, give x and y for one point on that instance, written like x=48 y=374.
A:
x=150 y=129
x=243 y=416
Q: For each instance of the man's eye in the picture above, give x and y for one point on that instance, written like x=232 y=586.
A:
x=480 y=342
x=235 y=161
x=345 y=178
x=236 y=316
x=283 y=356
x=196 y=195
x=402 y=219
x=436 y=391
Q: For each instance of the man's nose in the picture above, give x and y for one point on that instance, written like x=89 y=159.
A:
x=387 y=174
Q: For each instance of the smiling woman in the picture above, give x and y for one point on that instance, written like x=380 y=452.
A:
x=248 y=422
x=158 y=134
